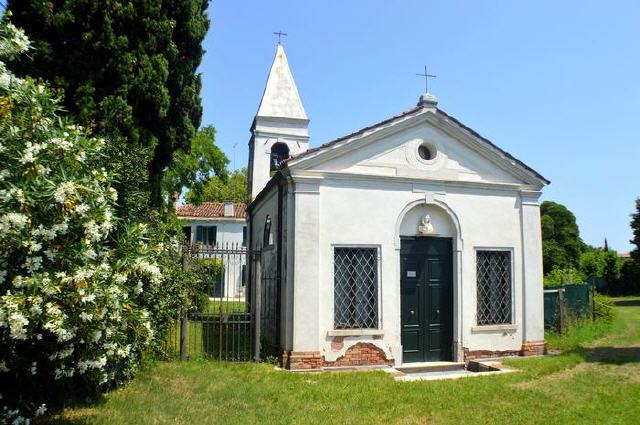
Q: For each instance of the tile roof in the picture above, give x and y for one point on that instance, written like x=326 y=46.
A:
x=210 y=210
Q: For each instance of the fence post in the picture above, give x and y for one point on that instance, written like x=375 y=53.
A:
x=593 y=300
x=562 y=308
x=184 y=320
x=256 y=305
x=183 y=335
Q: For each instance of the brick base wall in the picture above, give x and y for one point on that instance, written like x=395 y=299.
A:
x=360 y=354
x=529 y=348
x=534 y=348
x=302 y=360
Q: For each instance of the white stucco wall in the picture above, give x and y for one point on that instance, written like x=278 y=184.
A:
x=229 y=231
x=229 y=235
x=368 y=213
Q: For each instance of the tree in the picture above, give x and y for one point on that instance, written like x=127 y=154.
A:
x=217 y=190
x=561 y=243
x=194 y=169
x=592 y=262
x=635 y=228
x=128 y=68
x=611 y=270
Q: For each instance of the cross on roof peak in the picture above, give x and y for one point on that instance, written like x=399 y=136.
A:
x=426 y=76
x=280 y=34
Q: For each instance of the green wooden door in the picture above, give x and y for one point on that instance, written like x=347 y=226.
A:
x=426 y=298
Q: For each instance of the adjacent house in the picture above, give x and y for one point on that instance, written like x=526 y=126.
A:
x=414 y=239
x=219 y=230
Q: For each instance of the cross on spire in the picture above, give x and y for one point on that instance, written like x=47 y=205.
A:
x=426 y=76
x=280 y=34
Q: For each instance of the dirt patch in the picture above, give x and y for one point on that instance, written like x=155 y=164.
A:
x=555 y=377
x=627 y=372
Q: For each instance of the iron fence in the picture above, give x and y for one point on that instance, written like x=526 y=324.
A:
x=222 y=325
x=564 y=302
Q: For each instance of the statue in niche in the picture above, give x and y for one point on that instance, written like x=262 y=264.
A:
x=425 y=227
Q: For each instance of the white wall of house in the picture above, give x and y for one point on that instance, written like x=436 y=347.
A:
x=229 y=230
x=229 y=235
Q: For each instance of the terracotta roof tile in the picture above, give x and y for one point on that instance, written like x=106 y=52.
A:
x=210 y=210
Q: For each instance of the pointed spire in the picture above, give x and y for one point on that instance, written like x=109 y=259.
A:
x=280 y=97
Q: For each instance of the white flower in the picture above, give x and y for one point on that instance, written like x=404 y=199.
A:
x=62 y=143
x=138 y=288
x=86 y=316
x=63 y=191
x=34 y=246
x=82 y=209
x=30 y=152
x=113 y=194
x=13 y=221
x=41 y=410
x=51 y=254
x=88 y=298
x=92 y=231
x=107 y=224
x=89 y=254
x=33 y=264
x=17 y=325
x=34 y=368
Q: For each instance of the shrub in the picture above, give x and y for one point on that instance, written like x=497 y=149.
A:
x=562 y=276
x=78 y=305
x=604 y=308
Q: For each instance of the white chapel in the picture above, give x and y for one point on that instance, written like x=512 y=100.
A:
x=412 y=240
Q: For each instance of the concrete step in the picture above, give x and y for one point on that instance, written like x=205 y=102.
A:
x=430 y=367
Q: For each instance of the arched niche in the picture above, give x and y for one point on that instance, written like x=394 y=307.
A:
x=444 y=221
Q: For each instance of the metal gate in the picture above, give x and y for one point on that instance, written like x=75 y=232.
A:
x=231 y=323
x=221 y=326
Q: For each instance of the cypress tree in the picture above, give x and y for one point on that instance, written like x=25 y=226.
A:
x=128 y=69
x=635 y=228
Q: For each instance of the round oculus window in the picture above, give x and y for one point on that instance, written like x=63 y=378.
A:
x=427 y=153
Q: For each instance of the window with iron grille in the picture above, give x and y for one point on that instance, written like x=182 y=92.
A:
x=494 y=287
x=355 y=277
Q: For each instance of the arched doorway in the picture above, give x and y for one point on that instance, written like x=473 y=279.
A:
x=427 y=237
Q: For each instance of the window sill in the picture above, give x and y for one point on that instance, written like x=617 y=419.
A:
x=494 y=328
x=355 y=332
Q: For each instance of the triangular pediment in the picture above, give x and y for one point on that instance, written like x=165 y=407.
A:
x=393 y=150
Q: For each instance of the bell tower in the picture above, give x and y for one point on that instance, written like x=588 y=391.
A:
x=280 y=129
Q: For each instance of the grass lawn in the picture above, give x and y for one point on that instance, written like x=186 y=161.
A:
x=596 y=382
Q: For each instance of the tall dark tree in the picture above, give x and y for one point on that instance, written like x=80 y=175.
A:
x=128 y=68
x=561 y=243
x=635 y=228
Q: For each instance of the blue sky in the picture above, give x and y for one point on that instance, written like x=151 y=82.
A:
x=555 y=83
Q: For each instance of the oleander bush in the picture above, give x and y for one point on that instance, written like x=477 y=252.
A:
x=79 y=301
